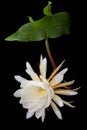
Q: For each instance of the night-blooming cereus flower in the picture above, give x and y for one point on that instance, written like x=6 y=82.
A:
x=41 y=92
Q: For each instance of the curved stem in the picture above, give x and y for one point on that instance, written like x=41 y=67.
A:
x=49 y=54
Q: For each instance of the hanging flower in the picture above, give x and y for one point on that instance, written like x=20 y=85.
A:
x=41 y=92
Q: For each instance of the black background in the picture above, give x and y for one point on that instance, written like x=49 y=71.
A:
x=13 y=56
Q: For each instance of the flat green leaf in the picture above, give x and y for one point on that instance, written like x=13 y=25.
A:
x=50 y=26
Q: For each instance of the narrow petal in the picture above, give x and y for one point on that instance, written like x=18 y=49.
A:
x=66 y=92
x=58 y=77
x=43 y=66
x=55 y=71
x=43 y=116
x=68 y=104
x=49 y=96
x=31 y=72
x=58 y=100
x=56 y=110
x=39 y=113
x=20 y=79
x=18 y=93
x=63 y=71
x=29 y=114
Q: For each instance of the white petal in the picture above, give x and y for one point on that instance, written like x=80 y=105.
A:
x=20 y=79
x=39 y=113
x=58 y=100
x=56 y=110
x=18 y=93
x=58 y=77
x=43 y=66
x=33 y=83
x=41 y=58
x=43 y=116
x=49 y=96
x=66 y=92
x=31 y=72
x=24 y=84
x=28 y=105
x=63 y=71
x=29 y=114
x=38 y=106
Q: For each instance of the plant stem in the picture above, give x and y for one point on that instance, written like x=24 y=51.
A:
x=49 y=54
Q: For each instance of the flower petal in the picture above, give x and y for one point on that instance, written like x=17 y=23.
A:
x=43 y=66
x=39 y=105
x=58 y=100
x=29 y=114
x=20 y=79
x=43 y=116
x=58 y=77
x=63 y=71
x=49 y=96
x=18 y=93
x=28 y=105
x=33 y=83
x=39 y=113
x=31 y=72
x=56 y=110
x=66 y=92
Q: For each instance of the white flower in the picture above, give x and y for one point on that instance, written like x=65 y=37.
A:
x=39 y=93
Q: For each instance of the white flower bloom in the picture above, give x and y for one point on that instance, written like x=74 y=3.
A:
x=39 y=93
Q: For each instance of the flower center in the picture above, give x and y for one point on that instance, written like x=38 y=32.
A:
x=41 y=92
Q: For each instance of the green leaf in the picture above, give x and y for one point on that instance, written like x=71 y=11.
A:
x=50 y=26
x=47 y=9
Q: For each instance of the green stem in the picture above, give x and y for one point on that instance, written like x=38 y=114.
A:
x=49 y=54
